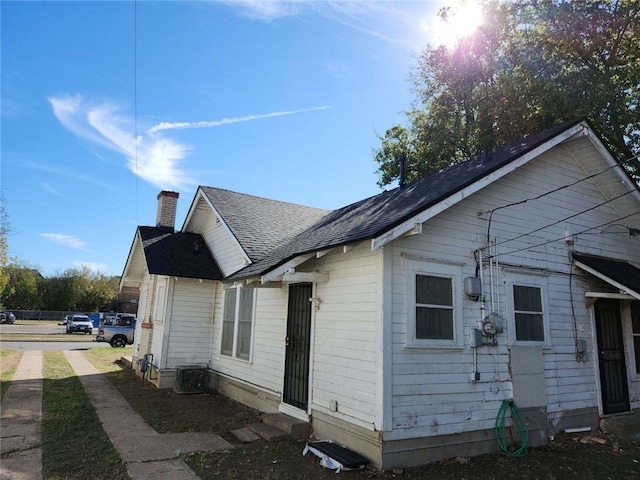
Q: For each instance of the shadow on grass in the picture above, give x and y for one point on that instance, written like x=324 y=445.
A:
x=74 y=444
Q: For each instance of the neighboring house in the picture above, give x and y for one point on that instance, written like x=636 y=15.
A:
x=398 y=325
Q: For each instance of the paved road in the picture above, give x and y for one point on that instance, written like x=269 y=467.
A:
x=53 y=345
x=37 y=329
x=57 y=331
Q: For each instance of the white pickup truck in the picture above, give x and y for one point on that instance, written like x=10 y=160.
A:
x=120 y=334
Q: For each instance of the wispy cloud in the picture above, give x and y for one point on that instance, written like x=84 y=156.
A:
x=266 y=9
x=388 y=20
x=65 y=240
x=226 y=121
x=94 y=267
x=69 y=173
x=152 y=157
x=156 y=160
x=52 y=190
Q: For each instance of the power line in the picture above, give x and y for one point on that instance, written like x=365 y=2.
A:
x=562 y=238
x=135 y=101
x=555 y=190
x=563 y=219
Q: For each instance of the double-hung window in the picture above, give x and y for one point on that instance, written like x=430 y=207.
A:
x=529 y=323
x=433 y=304
x=434 y=308
x=237 y=322
x=529 y=315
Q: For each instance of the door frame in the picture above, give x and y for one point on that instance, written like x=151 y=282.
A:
x=598 y=355
x=283 y=407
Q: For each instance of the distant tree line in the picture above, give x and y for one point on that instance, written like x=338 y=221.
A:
x=74 y=289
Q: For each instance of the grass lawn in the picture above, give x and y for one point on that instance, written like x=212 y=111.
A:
x=74 y=444
x=9 y=360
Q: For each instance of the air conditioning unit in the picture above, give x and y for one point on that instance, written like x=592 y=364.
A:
x=190 y=379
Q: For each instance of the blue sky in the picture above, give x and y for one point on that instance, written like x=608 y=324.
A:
x=280 y=100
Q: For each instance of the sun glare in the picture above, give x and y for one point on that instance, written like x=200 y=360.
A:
x=462 y=19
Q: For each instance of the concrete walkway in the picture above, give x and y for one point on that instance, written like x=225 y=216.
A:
x=21 y=421
x=147 y=454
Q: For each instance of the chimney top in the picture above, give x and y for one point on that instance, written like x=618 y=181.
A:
x=166 y=215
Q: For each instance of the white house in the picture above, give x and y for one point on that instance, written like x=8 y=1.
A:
x=399 y=325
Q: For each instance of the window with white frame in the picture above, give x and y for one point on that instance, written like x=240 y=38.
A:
x=434 y=308
x=237 y=322
x=528 y=313
x=432 y=303
x=635 y=324
x=526 y=295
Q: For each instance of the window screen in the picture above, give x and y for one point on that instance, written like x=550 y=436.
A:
x=527 y=303
x=434 y=307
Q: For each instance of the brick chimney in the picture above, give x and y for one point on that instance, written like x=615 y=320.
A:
x=167 y=202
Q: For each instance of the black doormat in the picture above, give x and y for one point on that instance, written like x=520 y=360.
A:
x=345 y=458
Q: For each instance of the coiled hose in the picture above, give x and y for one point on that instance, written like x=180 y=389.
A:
x=517 y=423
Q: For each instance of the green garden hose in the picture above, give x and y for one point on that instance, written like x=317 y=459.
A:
x=517 y=423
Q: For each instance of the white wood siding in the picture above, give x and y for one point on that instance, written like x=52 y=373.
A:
x=224 y=248
x=190 y=323
x=347 y=327
x=265 y=370
x=431 y=388
x=157 y=311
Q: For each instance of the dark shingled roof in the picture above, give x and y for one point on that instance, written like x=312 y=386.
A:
x=260 y=224
x=178 y=254
x=619 y=271
x=376 y=215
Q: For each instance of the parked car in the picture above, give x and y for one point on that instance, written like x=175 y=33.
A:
x=79 y=323
x=7 y=317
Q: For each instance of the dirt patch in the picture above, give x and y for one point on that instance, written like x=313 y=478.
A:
x=167 y=411
x=566 y=457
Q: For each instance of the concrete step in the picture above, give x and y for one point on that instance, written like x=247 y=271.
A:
x=296 y=429
x=268 y=432
x=622 y=424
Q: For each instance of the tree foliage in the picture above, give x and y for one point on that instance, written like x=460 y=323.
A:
x=80 y=290
x=531 y=65
x=4 y=251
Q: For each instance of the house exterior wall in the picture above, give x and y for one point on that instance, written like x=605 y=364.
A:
x=224 y=247
x=158 y=310
x=189 y=324
x=264 y=370
x=143 y=335
x=432 y=392
x=346 y=404
x=346 y=331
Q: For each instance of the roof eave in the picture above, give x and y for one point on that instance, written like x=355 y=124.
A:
x=407 y=225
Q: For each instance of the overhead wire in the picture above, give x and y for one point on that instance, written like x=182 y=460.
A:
x=562 y=219
x=135 y=103
x=562 y=238
x=550 y=192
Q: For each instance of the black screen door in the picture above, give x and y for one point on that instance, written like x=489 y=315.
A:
x=613 y=371
x=296 y=367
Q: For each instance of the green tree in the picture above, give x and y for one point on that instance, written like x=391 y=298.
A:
x=4 y=252
x=23 y=292
x=79 y=290
x=98 y=291
x=531 y=65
